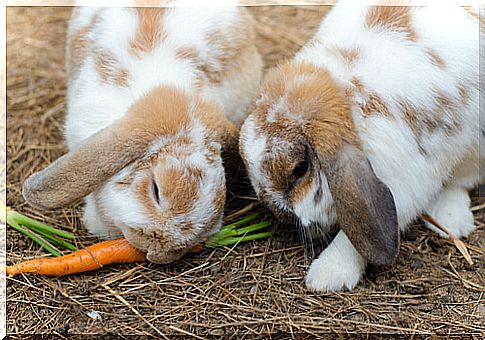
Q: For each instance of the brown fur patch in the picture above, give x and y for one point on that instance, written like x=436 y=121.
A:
x=191 y=54
x=410 y=116
x=350 y=55
x=162 y=111
x=443 y=116
x=110 y=69
x=475 y=15
x=149 y=32
x=301 y=190
x=464 y=94
x=229 y=45
x=392 y=18
x=179 y=188
x=78 y=46
x=373 y=103
x=214 y=119
x=435 y=59
x=316 y=119
x=317 y=98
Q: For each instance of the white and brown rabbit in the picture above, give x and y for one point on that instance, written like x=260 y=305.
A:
x=155 y=95
x=375 y=121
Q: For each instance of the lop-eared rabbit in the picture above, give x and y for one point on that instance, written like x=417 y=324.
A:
x=374 y=122
x=155 y=96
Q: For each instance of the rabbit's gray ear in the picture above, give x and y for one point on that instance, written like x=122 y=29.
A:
x=365 y=207
x=84 y=169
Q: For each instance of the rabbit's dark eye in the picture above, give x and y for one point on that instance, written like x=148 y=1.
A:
x=155 y=191
x=298 y=172
x=301 y=169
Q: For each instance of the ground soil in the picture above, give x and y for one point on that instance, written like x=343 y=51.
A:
x=255 y=290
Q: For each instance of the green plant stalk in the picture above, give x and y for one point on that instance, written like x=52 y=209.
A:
x=233 y=240
x=238 y=223
x=223 y=234
x=51 y=237
x=251 y=228
x=35 y=238
x=58 y=242
x=41 y=227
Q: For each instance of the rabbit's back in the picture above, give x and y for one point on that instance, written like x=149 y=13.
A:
x=411 y=74
x=115 y=55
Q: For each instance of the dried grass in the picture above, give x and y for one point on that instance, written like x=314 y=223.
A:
x=255 y=290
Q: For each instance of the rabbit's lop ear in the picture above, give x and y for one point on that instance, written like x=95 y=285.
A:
x=365 y=206
x=84 y=169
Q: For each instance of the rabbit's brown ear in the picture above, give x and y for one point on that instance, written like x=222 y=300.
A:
x=365 y=207
x=160 y=112
x=84 y=169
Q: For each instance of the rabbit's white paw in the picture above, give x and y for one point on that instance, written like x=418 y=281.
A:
x=337 y=268
x=452 y=210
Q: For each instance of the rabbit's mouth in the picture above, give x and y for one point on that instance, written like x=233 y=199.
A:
x=165 y=257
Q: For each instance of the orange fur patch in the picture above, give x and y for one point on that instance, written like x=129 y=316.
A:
x=313 y=95
x=464 y=94
x=444 y=115
x=350 y=55
x=230 y=44
x=301 y=190
x=189 y=53
x=312 y=116
x=392 y=18
x=410 y=116
x=179 y=188
x=435 y=58
x=149 y=33
x=162 y=111
x=110 y=70
x=79 y=44
x=475 y=15
x=192 y=54
x=373 y=103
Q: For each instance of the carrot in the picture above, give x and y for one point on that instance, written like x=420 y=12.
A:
x=90 y=258
x=108 y=252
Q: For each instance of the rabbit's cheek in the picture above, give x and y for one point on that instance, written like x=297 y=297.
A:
x=313 y=203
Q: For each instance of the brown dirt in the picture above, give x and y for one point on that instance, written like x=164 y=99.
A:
x=255 y=290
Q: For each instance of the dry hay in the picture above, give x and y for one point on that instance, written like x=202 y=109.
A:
x=255 y=290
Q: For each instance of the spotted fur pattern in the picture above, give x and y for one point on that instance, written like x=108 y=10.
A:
x=172 y=85
x=400 y=84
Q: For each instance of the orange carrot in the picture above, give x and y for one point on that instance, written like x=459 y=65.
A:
x=115 y=251
x=90 y=258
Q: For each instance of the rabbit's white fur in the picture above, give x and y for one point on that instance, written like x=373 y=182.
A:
x=115 y=28
x=427 y=173
x=171 y=86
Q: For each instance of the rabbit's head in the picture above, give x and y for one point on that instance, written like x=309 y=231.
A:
x=156 y=174
x=306 y=163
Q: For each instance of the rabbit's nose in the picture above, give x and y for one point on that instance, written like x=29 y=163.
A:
x=164 y=257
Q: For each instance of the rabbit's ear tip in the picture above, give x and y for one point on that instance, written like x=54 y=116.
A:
x=38 y=195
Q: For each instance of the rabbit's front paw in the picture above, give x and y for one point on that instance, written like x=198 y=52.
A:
x=337 y=268
x=452 y=210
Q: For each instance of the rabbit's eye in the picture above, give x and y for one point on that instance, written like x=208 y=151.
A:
x=155 y=191
x=301 y=169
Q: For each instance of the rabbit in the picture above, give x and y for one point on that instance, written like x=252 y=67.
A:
x=155 y=99
x=372 y=123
